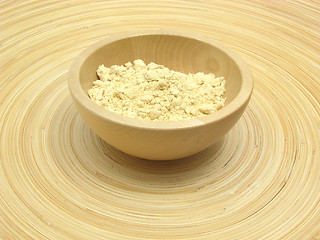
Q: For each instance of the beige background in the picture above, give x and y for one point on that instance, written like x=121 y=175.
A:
x=60 y=181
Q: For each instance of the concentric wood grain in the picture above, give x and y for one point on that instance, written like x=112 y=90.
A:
x=58 y=180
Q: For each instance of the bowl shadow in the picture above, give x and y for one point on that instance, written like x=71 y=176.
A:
x=107 y=165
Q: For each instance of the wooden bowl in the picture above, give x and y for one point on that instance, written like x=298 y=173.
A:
x=161 y=140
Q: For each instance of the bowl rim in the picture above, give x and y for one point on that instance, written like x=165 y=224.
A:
x=82 y=98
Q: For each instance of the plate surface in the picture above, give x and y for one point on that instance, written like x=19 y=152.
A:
x=58 y=180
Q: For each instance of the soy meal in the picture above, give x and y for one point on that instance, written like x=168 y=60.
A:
x=154 y=92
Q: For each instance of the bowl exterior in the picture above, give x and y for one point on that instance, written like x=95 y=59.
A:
x=159 y=144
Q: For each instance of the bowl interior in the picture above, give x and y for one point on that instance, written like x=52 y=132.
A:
x=178 y=53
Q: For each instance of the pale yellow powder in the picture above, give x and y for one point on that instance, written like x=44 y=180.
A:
x=153 y=92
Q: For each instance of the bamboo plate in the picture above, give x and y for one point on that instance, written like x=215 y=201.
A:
x=60 y=181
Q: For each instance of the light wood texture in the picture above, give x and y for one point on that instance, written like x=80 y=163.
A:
x=161 y=140
x=58 y=180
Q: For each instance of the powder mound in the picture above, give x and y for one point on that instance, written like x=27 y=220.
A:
x=154 y=92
